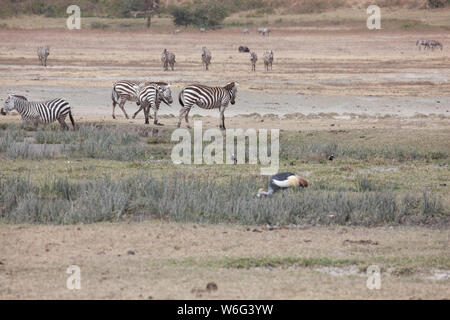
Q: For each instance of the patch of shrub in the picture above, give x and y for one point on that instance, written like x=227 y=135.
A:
x=200 y=13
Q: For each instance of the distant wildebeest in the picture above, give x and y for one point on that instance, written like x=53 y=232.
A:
x=43 y=53
x=150 y=96
x=435 y=44
x=243 y=49
x=206 y=57
x=39 y=112
x=245 y=31
x=264 y=31
x=168 y=59
x=268 y=59
x=253 y=59
x=207 y=98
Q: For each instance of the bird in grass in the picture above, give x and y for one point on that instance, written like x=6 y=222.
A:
x=282 y=180
x=331 y=157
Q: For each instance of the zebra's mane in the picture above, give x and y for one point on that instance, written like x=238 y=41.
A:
x=19 y=96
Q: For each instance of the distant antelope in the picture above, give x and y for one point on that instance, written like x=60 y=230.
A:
x=43 y=53
x=207 y=98
x=253 y=59
x=268 y=59
x=168 y=59
x=206 y=57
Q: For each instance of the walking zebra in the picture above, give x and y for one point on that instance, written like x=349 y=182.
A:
x=422 y=43
x=206 y=57
x=268 y=59
x=168 y=59
x=150 y=96
x=206 y=98
x=43 y=53
x=124 y=90
x=39 y=112
x=253 y=59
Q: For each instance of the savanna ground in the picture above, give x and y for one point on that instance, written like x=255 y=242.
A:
x=108 y=198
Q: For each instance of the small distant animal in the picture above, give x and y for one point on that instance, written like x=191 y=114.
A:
x=282 y=181
x=207 y=97
x=331 y=157
x=245 y=31
x=168 y=59
x=202 y=30
x=177 y=31
x=422 y=43
x=43 y=53
x=435 y=44
x=264 y=31
x=243 y=49
x=253 y=59
x=206 y=57
x=39 y=112
x=268 y=59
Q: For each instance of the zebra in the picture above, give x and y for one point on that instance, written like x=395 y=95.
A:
x=168 y=59
x=202 y=30
x=253 y=59
x=124 y=91
x=206 y=57
x=39 y=112
x=421 y=43
x=434 y=43
x=43 y=53
x=207 y=98
x=150 y=95
x=268 y=59
x=177 y=31
x=264 y=31
x=245 y=31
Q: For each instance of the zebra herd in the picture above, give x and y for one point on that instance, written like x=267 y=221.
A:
x=429 y=44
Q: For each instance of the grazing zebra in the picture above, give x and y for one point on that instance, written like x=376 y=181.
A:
x=253 y=59
x=268 y=59
x=433 y=43
x=168 y=59
x=206 y=57
x=207 y=98
x=280 y=181
x=43 y=53
x=202 y=30
x=39 y=112
x=150 y=95
x=245 y=31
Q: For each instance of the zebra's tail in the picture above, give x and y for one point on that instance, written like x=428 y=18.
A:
x=180 y=98
x=71 y=119
x=114 y=96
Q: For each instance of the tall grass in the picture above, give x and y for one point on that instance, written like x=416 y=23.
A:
x=176 y=198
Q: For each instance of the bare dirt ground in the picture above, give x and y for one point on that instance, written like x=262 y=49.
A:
x=175 y=261
x=344 y=79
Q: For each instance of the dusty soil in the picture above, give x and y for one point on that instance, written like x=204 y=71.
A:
x=175 y=261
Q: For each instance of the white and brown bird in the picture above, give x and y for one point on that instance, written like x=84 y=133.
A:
x=282 y=180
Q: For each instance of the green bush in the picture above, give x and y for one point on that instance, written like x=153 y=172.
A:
x=201 y=13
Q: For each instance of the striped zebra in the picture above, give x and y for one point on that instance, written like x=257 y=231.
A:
x=43 y=53
x=150 y=96
x=206 y=57
x=207 y=98
x=168 y=59
x=39 y=112
x=434 y=43
x=422 y=43
x=268 y=59
x=253 y=59
x=124 y=90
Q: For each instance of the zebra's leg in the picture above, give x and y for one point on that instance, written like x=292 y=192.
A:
x=62 y=122
x=184 y=112
x=222 y=117
x=121 y=104
x=146 y=112
x=114 y=107
x=136 y=113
